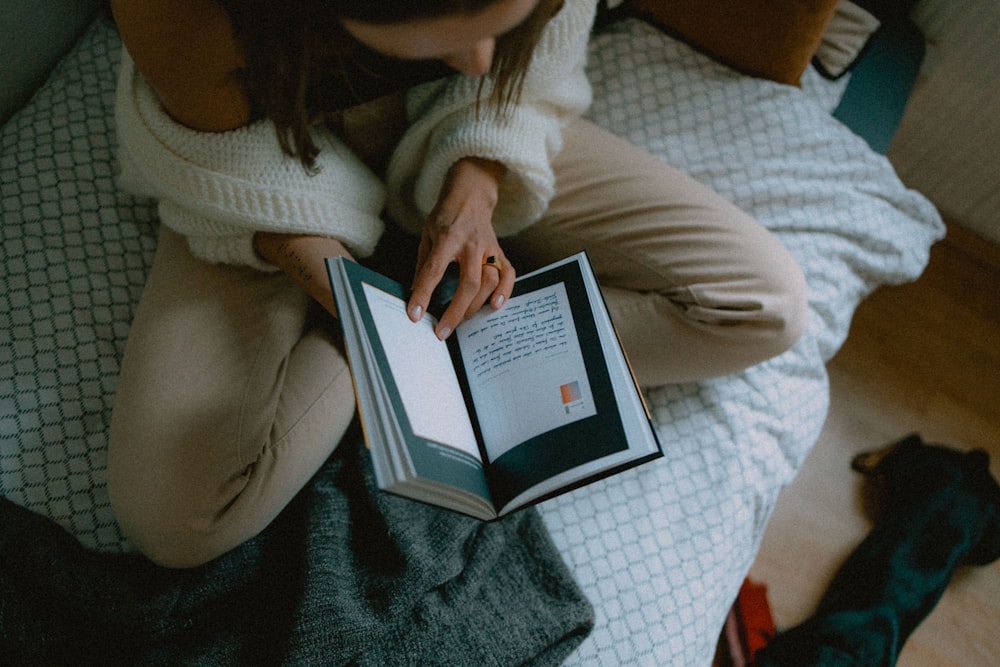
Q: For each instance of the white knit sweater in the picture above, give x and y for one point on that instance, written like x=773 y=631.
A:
x=218 y=189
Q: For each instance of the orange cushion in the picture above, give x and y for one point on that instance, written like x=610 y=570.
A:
x=773 y=39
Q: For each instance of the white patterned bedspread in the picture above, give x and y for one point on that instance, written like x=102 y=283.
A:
x=661 y=550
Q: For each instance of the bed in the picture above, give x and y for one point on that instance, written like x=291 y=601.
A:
x=651 y=559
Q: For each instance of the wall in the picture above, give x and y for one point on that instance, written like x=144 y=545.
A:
x=948 y=145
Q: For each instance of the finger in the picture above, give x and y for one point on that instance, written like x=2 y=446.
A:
x=505 y=287
x=423 y=250
x=464 y=300
x=498 y=283
x=429 y=273
x=487 y=288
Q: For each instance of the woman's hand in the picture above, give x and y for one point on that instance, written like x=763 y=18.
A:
x=460 y=229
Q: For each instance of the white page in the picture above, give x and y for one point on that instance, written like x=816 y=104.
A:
x=525 y=369
x=423 y=372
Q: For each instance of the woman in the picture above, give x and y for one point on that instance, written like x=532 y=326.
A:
x=274 y=134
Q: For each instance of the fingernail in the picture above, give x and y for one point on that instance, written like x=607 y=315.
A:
x=497 y=302
x=444 y=332
x=416 y=312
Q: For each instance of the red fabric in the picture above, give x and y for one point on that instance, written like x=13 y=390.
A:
x=757 y=623
x=749 y=626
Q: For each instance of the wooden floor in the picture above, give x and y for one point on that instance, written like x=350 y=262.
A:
x=920 y=357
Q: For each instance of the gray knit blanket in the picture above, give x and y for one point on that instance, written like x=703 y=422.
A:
x=346 y=575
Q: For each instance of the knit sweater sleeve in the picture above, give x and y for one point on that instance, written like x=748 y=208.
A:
x=447 y=126
x=219 y=189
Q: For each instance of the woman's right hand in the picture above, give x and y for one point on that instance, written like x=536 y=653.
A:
x=460 y=229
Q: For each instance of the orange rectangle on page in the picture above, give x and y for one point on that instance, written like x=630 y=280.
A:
x=570 y=392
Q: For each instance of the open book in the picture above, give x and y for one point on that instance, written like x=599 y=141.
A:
x=518 y=405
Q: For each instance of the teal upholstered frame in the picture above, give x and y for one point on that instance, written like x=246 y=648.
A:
x=33 y=37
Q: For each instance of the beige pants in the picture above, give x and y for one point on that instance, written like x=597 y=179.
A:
x=233 y=392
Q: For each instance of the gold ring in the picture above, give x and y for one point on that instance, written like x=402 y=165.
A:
x=492 y=261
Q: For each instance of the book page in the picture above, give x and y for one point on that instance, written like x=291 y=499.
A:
x=525 y=369
x=423 y=371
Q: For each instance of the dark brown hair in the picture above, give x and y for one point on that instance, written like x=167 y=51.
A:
x=292 y=44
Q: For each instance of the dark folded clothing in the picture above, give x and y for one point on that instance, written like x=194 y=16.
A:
x=345 y=575
x=940 y=510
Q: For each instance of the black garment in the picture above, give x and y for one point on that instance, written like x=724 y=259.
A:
x=941 y=510
x=364 y=75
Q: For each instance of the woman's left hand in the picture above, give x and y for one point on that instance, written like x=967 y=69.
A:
x=460 y=229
